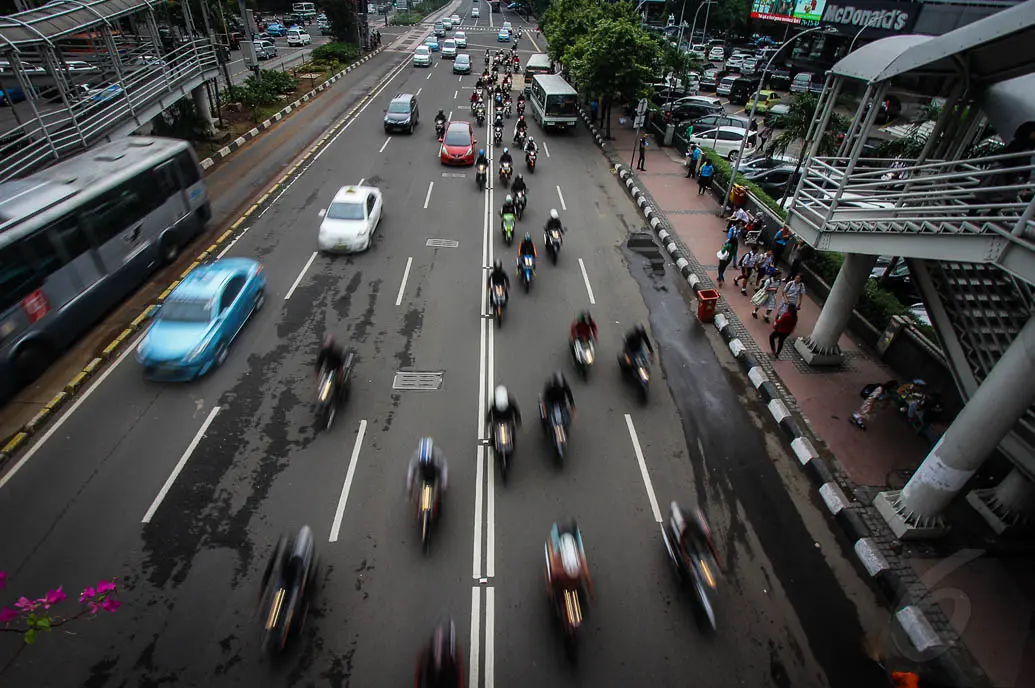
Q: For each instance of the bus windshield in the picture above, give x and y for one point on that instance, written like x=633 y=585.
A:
x=561 y=105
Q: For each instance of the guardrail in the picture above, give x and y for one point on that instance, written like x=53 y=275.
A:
x=57 y=134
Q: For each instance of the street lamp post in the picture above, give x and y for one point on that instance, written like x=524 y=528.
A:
x=751 y=117
x=679 y=41
x=693 y=29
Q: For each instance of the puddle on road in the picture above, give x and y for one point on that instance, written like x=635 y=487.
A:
x=643 y=243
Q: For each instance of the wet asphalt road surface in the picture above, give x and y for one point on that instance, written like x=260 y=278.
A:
x=790 y=612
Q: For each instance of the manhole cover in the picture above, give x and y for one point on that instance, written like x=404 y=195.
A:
x=442 y=243
x=416 y=381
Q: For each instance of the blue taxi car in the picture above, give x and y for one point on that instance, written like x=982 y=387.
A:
x=503 y=36
x=432 y=43
x=195 y=326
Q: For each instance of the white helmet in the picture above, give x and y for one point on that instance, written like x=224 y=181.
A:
x=553 y=213
x=501 y=399
x=569 y=551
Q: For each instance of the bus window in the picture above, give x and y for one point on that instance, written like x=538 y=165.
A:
x=561 y=104
x=165 y=177
x=113 y=212
x=18 y=278
x=188 y=169
x=70 y=239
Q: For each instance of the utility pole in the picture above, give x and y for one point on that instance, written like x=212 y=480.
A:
x=641 y=116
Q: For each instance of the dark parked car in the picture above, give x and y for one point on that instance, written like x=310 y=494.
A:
x=774 y=180
x=693 y=111
x=742 y=89
x=664 y=95
x=778 y=79
x=402 y=113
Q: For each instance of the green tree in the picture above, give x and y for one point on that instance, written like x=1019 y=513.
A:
x=728 y=15
x=341 y=14
x=565 y=22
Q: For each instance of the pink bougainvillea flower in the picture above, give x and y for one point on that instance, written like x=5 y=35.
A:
x=3 y=579
x=110 y=605
x=88 y=593
x=7 y=615
x=94 y=607
x=24 y=604
x=54 y=597
x=105 y=586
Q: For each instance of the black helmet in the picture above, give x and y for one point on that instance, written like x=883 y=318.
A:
x=497 y=264
x=641 y=330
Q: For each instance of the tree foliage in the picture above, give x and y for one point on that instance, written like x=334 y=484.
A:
x=341 y=14
x=796 y=126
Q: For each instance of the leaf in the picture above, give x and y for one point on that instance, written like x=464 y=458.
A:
x=30 y=636
x=43 y=623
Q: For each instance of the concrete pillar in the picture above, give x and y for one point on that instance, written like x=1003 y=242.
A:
x=1009 y=507
x=1003 y=397
x=820 y=348
x=201 y=103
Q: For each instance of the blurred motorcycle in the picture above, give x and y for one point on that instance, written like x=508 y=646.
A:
x=691 y=549
x=287 y=589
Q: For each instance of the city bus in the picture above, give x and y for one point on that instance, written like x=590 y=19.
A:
x=78 y=237
x=553 y=101
x=540 y=63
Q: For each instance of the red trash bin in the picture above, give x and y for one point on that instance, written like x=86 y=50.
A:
x=707 y=299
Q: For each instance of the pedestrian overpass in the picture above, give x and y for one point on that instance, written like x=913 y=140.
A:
x=77 y=72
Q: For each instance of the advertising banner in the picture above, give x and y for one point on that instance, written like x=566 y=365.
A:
x=804 y=12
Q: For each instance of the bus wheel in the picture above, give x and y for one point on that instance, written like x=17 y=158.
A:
x=31 y=361
x=168 y=247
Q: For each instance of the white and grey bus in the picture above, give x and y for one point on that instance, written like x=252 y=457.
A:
x=554 y=102
x=78 y=237
x=540 y=63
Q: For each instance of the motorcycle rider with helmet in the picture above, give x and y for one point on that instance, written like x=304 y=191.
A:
x=558 y=392
x=693 y=534
x=482 y=160
x=440 y=118
x=519 y=184
x=527 y=248
x=503 y=409
x=430 y=464
x=520 y=127
x=567 y=567
x=332 y=357
x=498 y=277
x=440 y=664
x=508 y=206
x=531 y=146
x=584 y=328
x=554 y=222
x=507 y=158
x=636 y=341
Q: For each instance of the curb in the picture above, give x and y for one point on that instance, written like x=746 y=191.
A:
x=18 y=441
x=894 y=591
x=228 y=150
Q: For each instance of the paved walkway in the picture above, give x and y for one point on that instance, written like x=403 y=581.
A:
x=989 y=602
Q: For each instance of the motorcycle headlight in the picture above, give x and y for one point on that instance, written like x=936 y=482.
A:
x=587 y=353
x=644 y=375
x=325 y=389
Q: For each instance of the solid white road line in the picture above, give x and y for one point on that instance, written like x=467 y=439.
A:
x=31 y=451
x=429 y=76
x=546 y=148
x=450 y=116
x=643 y=468
x=490 y=513
x=476 y=621
x=385 y=144
x=179 y=465
x=561 y=196
x=300 y=276
x=231 y=244
x=585 y=278
x=419 y=90
x=402 y=286
x=490 y=641
x=427 y=199
x=361 y=181
x=340 y=511
x=478 y=498
x=455 y=94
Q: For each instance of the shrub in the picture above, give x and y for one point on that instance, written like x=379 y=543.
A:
x=277 y=82
x=335 y=52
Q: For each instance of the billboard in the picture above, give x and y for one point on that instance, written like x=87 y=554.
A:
x=805 y=12
x=880 y=17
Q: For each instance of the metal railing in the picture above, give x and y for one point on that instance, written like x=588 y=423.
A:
x=53 y=135
x=988 y=195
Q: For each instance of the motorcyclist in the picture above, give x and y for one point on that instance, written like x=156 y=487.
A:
x=506 y=157
x=503 y=409
x=693 y=533
x=482 y=160
x=474 y=97
x=498 y=277
x=531 y=146
x=636 y=341
x=558 y=392
x=430 y=464
x=508 y=206
x=553 y=223
x=519 y=185
x=567 y=566
x=520 y=129
x=527 y=248
x=498 y=120
x=440 y=120
x=331 y=356
x=584 y=328
x=440 y=664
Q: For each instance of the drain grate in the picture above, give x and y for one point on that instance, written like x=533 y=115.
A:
x=417 y=381
x=442 y=243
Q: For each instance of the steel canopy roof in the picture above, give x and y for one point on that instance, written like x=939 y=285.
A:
x=60 y=18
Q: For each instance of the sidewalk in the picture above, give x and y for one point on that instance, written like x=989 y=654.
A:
x=989 y=602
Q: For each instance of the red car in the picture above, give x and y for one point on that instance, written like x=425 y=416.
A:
x=458 y=144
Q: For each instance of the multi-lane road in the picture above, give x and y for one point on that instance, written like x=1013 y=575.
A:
x=182 y=490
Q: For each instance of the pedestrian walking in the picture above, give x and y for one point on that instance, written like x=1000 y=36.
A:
x=642 y=148
x=781 y=240
x=798 y=253
x=766 y=296
x=693 y=159
x=764 y=267
x=783 y=327
x=747 y=263
x=734 y=233
x=704 y=177
x=872 y=395
x=594 y=108
x=793 y=292
x=725 y=256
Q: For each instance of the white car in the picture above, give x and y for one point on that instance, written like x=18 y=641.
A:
x=455 y=19
x=723 y=140
x=716 y=53
x=448 y=49
x=699 y=51
x=475 y=13
x=447 y=23
x=461 y=39
x=507 y=25
x=298 y=37
x=422 y=56
x=351 y=219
